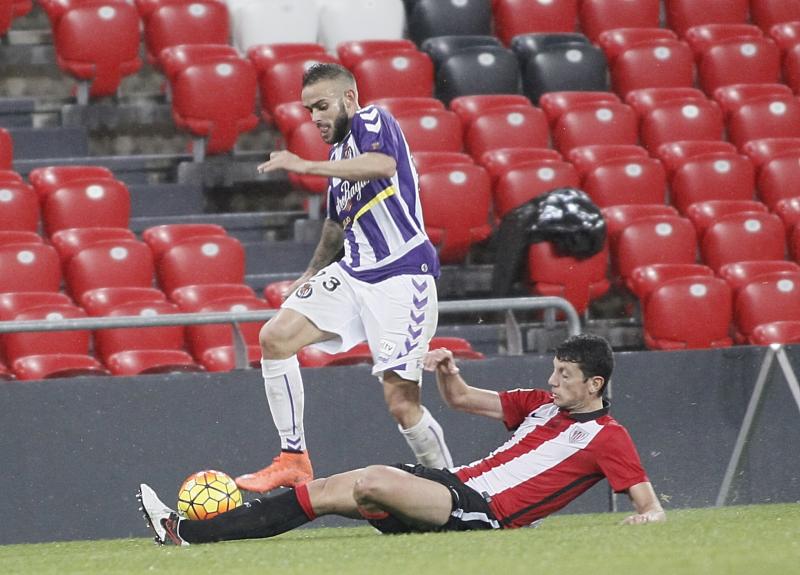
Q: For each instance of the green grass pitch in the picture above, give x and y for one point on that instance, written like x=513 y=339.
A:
x=751 y=540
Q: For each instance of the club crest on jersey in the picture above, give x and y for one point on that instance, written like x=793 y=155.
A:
x=304 y=291
x=578 y=436
x=348 y=153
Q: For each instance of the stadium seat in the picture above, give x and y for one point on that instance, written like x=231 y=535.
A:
x=739 y=274
x=212 y=344
x=174 y=59
x=626 y=181
x=20 y=344
x=653 y=64
x=57 y=365
x=744 y=236
x=527 y=46
x=791 y=69
x=528 y=180
x=70 y=241
x=440 y=48
x=498 y=161
x=514 y=126
x=674 y=154
x=707 y=212
x=731 y=97
x=683 y=14
x=192 y=298
x=29 y=267
x=429 y=18
x=9 y=237
x=587 y=158
x=100 y=203
x=773 y=118
x=770 y=298
x=597 y=16
x=6 y=150
x=264 y=56
x=692 y=312
x=470 y=108
x=51 y=178
x=287 y=117
x=147 y=361
x=565 y=67
x=654 y=240
x=6 y=16
x=214 y=101
x=645 y=279
x=13 y=303
x=22 y=7
x=202 y=260
x=789 y=211
x=411 y=104
x=739 y=61
x=460 y=347
x=19 y=207
x=276 y=292
x=456 y=200
x=101 y=301
x=432 y=131
x=604 y=123
x=10 y=176
x=778 y=179
x=98 y=43
x=360 y=20
x=794 y=243
x=579 y=281
x=119 y=263
x=350 y=52
x=721 y=176
x=786 y=35
x=768 y=13
x=425 y=161
x=783 y=332
x=515 y=17
x=478 y=70
x=554 y=104
x=394 y=74
x=196 y=22
x=645 y=100
x=763 y=150
x=305 y=141
x=701 y=38
x=110 y=341
x=162 y=238
x=676 y=121
x=617 y=40
x=617 y=218
x=274 y=22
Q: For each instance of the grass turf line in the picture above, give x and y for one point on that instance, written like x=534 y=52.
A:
x=763 y=539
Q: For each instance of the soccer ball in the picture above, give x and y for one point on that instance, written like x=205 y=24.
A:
x=206 y=494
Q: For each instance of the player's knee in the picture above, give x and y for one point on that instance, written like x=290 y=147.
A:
x=372 y=486
x=273 y=341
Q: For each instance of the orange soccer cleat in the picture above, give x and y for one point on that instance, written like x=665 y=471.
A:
x=287 y=470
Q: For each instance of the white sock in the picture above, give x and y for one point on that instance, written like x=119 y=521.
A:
x=426 y=440
x=285 y=394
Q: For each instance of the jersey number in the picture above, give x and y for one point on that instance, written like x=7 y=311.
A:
x=331 y=284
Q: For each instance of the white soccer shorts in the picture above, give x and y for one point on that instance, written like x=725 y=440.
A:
x=397 y=317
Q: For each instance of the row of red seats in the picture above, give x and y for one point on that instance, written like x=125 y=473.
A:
x=10 y=10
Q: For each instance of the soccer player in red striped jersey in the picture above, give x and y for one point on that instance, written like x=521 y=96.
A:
x=563 y=441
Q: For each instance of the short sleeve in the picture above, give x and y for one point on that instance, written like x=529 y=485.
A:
x=619 y=460
x=518 y=403
x=375 y=131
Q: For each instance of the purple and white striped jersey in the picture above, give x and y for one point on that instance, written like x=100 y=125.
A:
x=384 y=234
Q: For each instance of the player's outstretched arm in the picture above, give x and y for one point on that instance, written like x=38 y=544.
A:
x=648 y=508
x=369 y=166
x=454 y=390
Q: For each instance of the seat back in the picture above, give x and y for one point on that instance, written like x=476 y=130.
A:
x=196 y=22
x=683 y=14
x=773 y=118
x=29 y=267
x=514 y=17
x=273 y=22
x=48 y=179
x=163 y=237
x=517 y=126
x=772 y=297
x=203 y=260
x=739 y=61
x=529 y=180
x=597 y=16
x=478 y=70
x=565 y=67
x=626 y=181
x=394 y=74
x=676 y=121
x=744 y=236
x=432 y=131
x=360 y=20
x=440 y=48
x=111 y=341
x=429 y=18
x=98 y=203
x=603 y=123
x=722 y=176
x=19 y=207
x=21 y=344
x=654 y=240
x=116 y=263
x=654 y=64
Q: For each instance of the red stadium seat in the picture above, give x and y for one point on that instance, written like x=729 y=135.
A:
x=192 y=298
x=784 y=332
x=579 y=281
x=529 y=180
x=432 y=131
x=701 y=38
x=731 y=97
x=6 y=16
x=470 y=108
x=767 y=13
x=456 y=200
x=70 y=241
x=654 y=240
x=29 y=267
x=306 y=142
x=674 y=154
x=791 y=68
x=6 y=150
x=118 y=263
x=9 y=237
x=705 y=213
x=762 y=151
x=778 y=179
x=786 y=35
x=460 y=347
x=770 y=298
x=276 y=292
x=619 y=217
x=498 y=162
x=615 y=41
x=410 y=104
x=645 y=100
x=352 y=52
x=514 y=17
x=13 y=303
x=597 y=16
x=645 y=279
x=722 y=176
x=20 y=344
x=174 y=59
x=587 y=158
x=394 y=74
x=653 y=64
x=683 y=14
x=215 y=101
x=425 y=161
x=516 y=126
x=688 y=313
x=98 y=42
x=196 y=22
x=203 y=260
x=100 y=203
x=19 y=207
x=51 y=178
x=605 y=123
x=146 y=361
x=739 y=61
x=676 y=121
x=555 y=104
x=773 y=118
x=789 y=211
x=101 y=301
x=10 y=176
x=163 y=237
x=626 y=181
x=56 y=365
x=739 y=274
x=287 y=117
x=744 y=236
x=794 y=243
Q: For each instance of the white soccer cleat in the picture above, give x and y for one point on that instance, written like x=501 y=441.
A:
x=161 y=519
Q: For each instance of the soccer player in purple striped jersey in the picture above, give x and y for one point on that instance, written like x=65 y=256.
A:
x=383 y=290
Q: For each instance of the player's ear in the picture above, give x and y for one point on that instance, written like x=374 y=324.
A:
x=596 y=384
x=351 y=99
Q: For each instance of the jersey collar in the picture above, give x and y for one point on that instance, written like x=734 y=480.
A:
x=590 y=415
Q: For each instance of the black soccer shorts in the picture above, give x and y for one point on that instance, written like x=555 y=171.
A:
x=470 y=510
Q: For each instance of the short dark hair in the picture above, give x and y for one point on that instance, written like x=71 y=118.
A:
x=592 y=353
x=326 y=71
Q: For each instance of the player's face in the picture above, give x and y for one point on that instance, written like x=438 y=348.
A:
x=328 y=103
x=570 y=388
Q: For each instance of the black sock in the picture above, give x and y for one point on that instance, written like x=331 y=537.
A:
x=264 y=517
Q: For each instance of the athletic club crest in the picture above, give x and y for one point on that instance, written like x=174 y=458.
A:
x=577 y=436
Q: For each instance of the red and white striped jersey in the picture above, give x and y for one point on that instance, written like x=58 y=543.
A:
x=551 y=458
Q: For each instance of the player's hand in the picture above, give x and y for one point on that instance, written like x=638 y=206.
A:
x=440 y=360
x=283 y=160
x=641 y=518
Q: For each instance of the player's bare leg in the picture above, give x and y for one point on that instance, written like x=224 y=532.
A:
x=281 y=338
